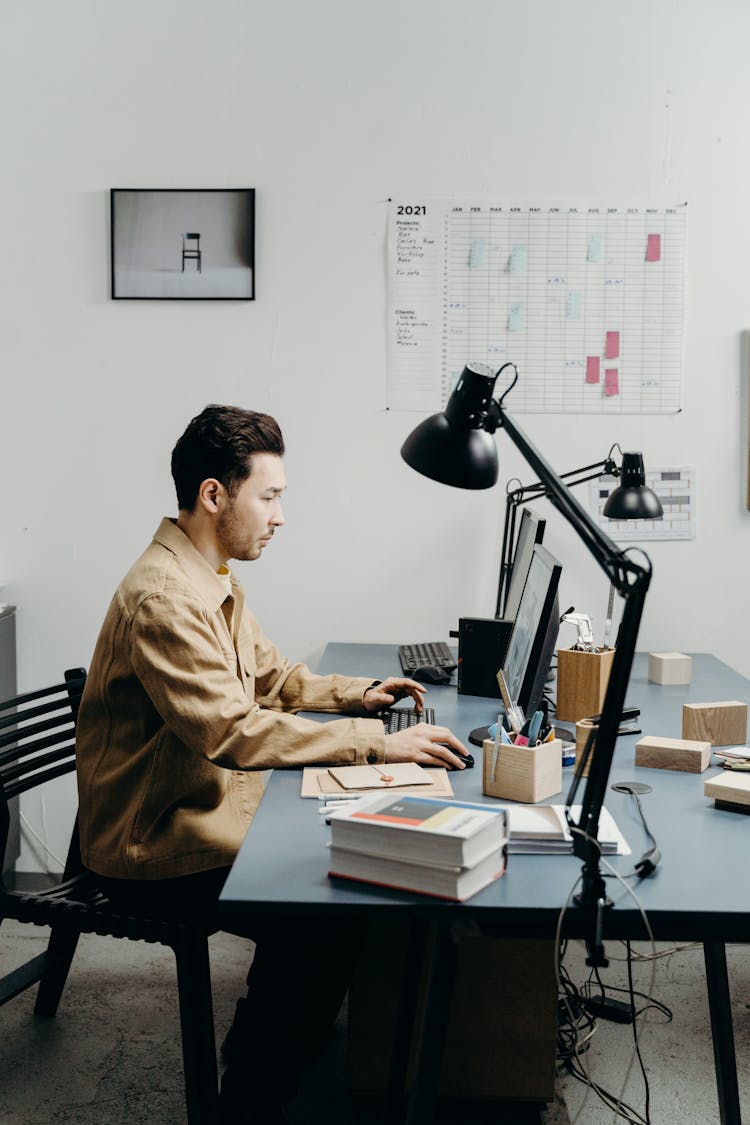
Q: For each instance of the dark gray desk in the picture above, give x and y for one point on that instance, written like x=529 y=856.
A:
x=699 y=891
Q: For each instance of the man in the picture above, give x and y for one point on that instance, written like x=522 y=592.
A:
x=186 y=700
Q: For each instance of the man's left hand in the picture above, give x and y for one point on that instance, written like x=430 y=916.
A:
x=392 y=690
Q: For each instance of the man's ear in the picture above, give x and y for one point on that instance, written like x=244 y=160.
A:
x=210 y=495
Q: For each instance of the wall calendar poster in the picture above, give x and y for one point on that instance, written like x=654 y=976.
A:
x=586 y=299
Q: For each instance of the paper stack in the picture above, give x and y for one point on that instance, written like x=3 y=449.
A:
x=536 y=829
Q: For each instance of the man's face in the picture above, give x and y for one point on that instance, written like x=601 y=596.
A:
x=251 y=516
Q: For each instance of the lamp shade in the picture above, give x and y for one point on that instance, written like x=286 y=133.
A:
x=633 y=500
x=454 y=447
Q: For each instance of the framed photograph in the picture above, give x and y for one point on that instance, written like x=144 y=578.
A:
x=191 y=245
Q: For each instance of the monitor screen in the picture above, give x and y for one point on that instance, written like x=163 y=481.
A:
x=530 y=531
x=532 y=642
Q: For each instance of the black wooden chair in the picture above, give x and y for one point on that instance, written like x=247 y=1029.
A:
x=37 y=744
x=191 y=250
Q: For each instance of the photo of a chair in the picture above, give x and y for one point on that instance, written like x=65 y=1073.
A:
x=191 y=250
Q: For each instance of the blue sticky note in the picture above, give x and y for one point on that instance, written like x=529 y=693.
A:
x=574 y=305
x=516 y=318
x=478 y=253
x=595 y=252
x=519 y=259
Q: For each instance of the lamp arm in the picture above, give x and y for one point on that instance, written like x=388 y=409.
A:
x=631 y=580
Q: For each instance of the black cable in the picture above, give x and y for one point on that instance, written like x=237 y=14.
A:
x=636 y=1044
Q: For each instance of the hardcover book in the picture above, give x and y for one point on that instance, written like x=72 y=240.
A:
x=425 y=829
x=455 y=883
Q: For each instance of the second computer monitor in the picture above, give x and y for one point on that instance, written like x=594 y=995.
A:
x=530 y=532
x=532 y=642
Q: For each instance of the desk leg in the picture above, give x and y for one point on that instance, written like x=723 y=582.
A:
x=402 y=1040
x=725 y=1063
x=440 y=972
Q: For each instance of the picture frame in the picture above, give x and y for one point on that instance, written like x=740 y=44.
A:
x=182 y=244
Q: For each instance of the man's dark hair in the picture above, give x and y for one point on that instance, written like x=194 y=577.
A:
x=220 y=442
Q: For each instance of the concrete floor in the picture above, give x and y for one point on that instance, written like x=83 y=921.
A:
x=112 y=1055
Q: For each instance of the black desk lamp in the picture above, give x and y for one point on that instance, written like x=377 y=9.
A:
x=457 y=448
x=632 y=501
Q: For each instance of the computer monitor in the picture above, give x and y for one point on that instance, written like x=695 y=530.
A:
x=532 y=642
x=530 y=532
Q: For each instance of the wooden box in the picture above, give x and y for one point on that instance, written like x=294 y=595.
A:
x=582 y=679
x=669 y=668
x=522 y=773
x=730 y=789
x=502 y=1029
x=721 y=724
x=673 y=754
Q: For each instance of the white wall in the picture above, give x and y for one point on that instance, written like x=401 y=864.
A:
x=327 y=109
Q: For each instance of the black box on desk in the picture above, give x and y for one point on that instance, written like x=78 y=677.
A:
x=482 y=644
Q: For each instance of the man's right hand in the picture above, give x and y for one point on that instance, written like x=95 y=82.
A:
x=427 y=745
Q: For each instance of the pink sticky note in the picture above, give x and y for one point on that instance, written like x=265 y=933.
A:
x=611 y=382
x=653 y=248
x=592 y=368
x=612 y=347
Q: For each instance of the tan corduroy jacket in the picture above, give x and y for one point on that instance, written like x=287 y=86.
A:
x=179 y=714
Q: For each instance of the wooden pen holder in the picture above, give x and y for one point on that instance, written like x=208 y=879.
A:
x=582 y=679
x=522 y=773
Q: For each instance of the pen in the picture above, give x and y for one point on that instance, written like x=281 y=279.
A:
x=535 y=725
x=339 y=796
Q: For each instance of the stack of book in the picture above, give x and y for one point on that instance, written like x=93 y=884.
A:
x=445 y=848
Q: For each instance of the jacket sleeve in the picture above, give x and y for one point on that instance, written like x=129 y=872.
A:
x=194 y=683
x=282 y=686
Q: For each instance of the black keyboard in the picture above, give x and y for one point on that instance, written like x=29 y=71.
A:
x=399 y=718
x=432 y=652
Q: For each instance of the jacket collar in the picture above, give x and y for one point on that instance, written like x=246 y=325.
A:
x=207 y=582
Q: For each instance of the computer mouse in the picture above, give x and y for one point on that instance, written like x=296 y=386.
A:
x=431 y=674
x=467 y=759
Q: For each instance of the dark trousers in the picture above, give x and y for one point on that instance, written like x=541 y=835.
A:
x=297 y=980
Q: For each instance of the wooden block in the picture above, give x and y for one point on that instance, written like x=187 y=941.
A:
x=721 y=724
x=522 y=774
x=729 y=788
x=669 y=668
x=673 y=754
x=583 y=729
x=582 y=679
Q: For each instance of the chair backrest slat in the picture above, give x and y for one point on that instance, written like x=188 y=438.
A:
x=23 y=749
x=25 y=734
x=31 y=765
x=30 y=781
x=39 y=740
x=70 y=687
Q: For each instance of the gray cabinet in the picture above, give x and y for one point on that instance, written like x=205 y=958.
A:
x=8 y=689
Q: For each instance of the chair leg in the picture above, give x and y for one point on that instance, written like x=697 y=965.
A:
x=60 y=952
x=197 y=1022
